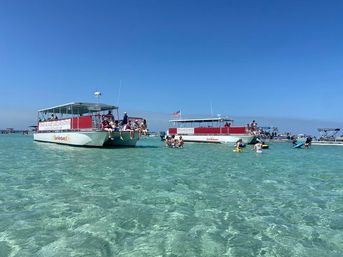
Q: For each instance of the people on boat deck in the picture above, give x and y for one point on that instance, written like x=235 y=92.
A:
x=53 y=117
x=136 y=125
x=129 y=127
x=107 y=126
x=253 y=125
x=125 y=119
x=115 y=126
x=227 y=125
x=109 y=116
x=143 y=127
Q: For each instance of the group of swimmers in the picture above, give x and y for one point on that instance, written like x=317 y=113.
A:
x=173 y=142
x=257 y=147
x=307 y=144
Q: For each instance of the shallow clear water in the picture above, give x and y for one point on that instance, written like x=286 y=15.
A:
x=203 y=200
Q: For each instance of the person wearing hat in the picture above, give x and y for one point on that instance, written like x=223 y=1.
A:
x=125 y=119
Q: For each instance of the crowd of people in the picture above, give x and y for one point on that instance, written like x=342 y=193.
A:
x=252 y=127
x=111 y=125
x=258 y=146
x=173 y=142
x=307 y=143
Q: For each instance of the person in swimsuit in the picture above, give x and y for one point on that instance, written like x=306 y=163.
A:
x=180 y=142
x=238 y=145
x=258 y=147
x=308 y=142
x=107 y=127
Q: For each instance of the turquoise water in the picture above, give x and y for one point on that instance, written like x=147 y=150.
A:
x=203 y=200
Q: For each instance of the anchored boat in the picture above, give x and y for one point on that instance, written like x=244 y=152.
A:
x=328 y=136
x=210 y=130
x=82 y=124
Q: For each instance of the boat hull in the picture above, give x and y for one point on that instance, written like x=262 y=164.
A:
x=328 y=143
x=88 y=138
x=122 y=138
x=217 y=138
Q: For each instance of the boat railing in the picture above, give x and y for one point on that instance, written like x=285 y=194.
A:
x=93 y=122
x=69 y=124
x=209 y=130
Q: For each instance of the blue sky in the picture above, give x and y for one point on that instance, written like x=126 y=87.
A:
x=280 y=59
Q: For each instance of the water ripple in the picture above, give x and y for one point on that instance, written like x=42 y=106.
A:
x=203 y=200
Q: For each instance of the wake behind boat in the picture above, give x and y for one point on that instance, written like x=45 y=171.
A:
x=82 y=124
x=210 y=130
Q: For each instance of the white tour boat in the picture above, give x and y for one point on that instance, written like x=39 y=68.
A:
x=210 y=130
x=81 y=124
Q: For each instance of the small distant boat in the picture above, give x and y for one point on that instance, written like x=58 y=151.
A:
x=81 y=124
x=328 y=143
x=210 y=130
x=328 y=137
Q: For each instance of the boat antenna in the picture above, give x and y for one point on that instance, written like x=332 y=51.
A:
x=97 y=94
x=118 y=99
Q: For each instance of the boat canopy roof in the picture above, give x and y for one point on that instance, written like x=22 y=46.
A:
x=328 y=129
x=202 y=120
x=79 y=108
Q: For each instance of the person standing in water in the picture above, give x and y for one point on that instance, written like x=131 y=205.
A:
x=238 y=145
x=180 y=142
x=308 y=142
x=294 y=140
x=258 y=147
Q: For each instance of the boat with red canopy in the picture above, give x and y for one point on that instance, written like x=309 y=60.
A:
x=210 y=130
x=82 y=124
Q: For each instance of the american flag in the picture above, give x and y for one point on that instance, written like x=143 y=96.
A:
x=176 y=114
